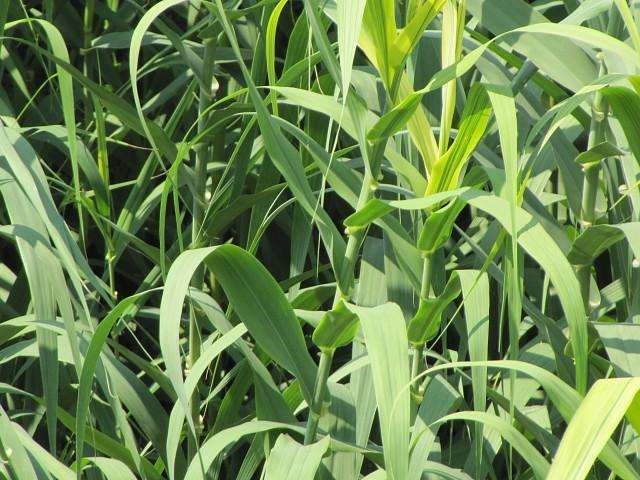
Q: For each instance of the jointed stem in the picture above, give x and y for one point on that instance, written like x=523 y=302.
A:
x=199 y=198
x=326 y=356
x=591 y=180
x=315 y=409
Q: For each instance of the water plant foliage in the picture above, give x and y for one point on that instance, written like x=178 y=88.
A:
x=319 y=239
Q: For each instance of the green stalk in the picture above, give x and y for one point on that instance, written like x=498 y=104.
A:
x=355 y=238
x=198 y=207
x=416 y=369
x=326 y=356
x=87 y=36
x=591 y=180
x=103 y=170
x=319 y=388
x=453 y=22
x=418 y=350
x=87 y=29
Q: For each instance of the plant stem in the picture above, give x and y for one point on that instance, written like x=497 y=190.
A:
x=199 y=199
x=203 y=150
x=315 y=409
x=427 y=276
x=425 y=291
x=355 y=238
x=87 y=36
x=326 y=357
x=591 y=180
x=589 y=193
x=416 y=360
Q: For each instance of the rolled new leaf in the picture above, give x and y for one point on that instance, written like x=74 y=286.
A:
x=473 y=125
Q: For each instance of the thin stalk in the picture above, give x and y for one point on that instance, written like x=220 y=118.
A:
x=355 y=238
x=591 y=180
x=418 y=350
x=319 y=388
x=199 y=199
x=416 y=369
x=453 y=19
x=103 y=170
x=87 y=36
x=326 y=356
x=427 y=276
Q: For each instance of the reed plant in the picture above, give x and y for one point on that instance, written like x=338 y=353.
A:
x=319 y=239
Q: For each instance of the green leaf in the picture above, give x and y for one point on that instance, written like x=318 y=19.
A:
x=337 y=328
x=447 y=171
x=289 y=460
x=596 y=239
x=13 y=452
x=438 y=226
x=516 y=439
x=386 y=341
x=40 y=456
x=620 y=341
x=438 y=400
x=349 y=20
x=565 y=62
x=92 y=355
x=625 y=104
x=285 y=156
x=425 y=324
x=594 y=422
x=475 y=293
x=111 y=468
x=256 y=298
x=379 y=30
x=599 y=152
x=217 y=443
x=209 y=351
x=354 y=122
x=542 y=248
x=394 y=120
x=565 y=399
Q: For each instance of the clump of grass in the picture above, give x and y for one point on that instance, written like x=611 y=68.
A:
x=341 y=239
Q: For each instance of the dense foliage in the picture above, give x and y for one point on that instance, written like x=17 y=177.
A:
x=333 y=239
